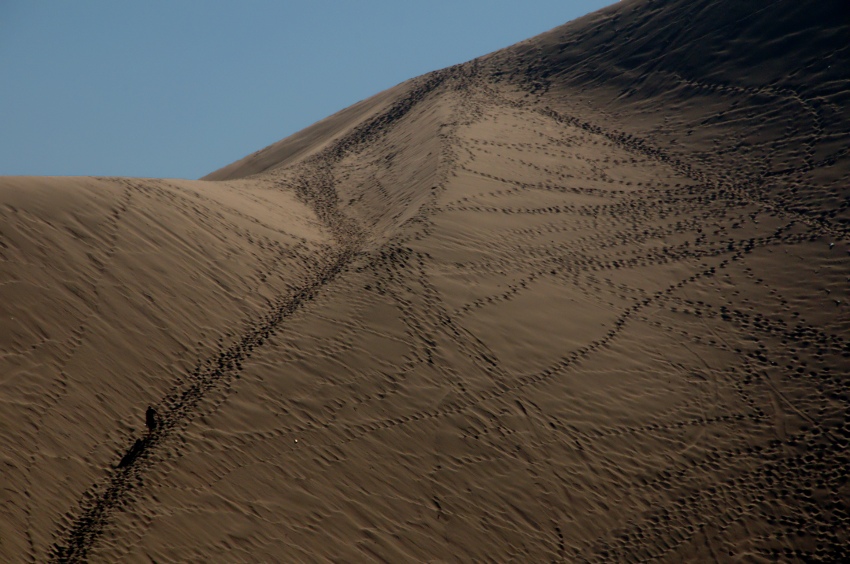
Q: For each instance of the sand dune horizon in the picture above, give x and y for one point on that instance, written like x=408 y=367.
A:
x=581 y=299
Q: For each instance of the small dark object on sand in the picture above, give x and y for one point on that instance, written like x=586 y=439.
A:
x=151 y=419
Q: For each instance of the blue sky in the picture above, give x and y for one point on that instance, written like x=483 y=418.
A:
x=179 y=88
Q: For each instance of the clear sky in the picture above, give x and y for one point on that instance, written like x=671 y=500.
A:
x=179 y=88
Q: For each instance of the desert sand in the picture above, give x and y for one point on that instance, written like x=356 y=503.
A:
x=583 y=299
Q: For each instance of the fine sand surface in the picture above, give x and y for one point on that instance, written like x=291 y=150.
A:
x=583 y=299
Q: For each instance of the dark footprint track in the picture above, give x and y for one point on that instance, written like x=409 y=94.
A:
x=180 y=406
x=177 y=409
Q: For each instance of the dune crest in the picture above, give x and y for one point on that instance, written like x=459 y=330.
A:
x=582 y=299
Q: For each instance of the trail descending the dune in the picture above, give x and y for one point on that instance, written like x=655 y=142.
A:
x=314 y=184
x=582 y=299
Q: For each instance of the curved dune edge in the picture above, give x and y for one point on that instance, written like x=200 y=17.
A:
x=585 y=298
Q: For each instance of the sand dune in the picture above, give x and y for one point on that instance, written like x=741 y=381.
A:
x=583 y=299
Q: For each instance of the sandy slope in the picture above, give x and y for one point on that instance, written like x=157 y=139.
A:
x=582 y=299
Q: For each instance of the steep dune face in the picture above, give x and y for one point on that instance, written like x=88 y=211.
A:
x=753 y=93
x=583 y=299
